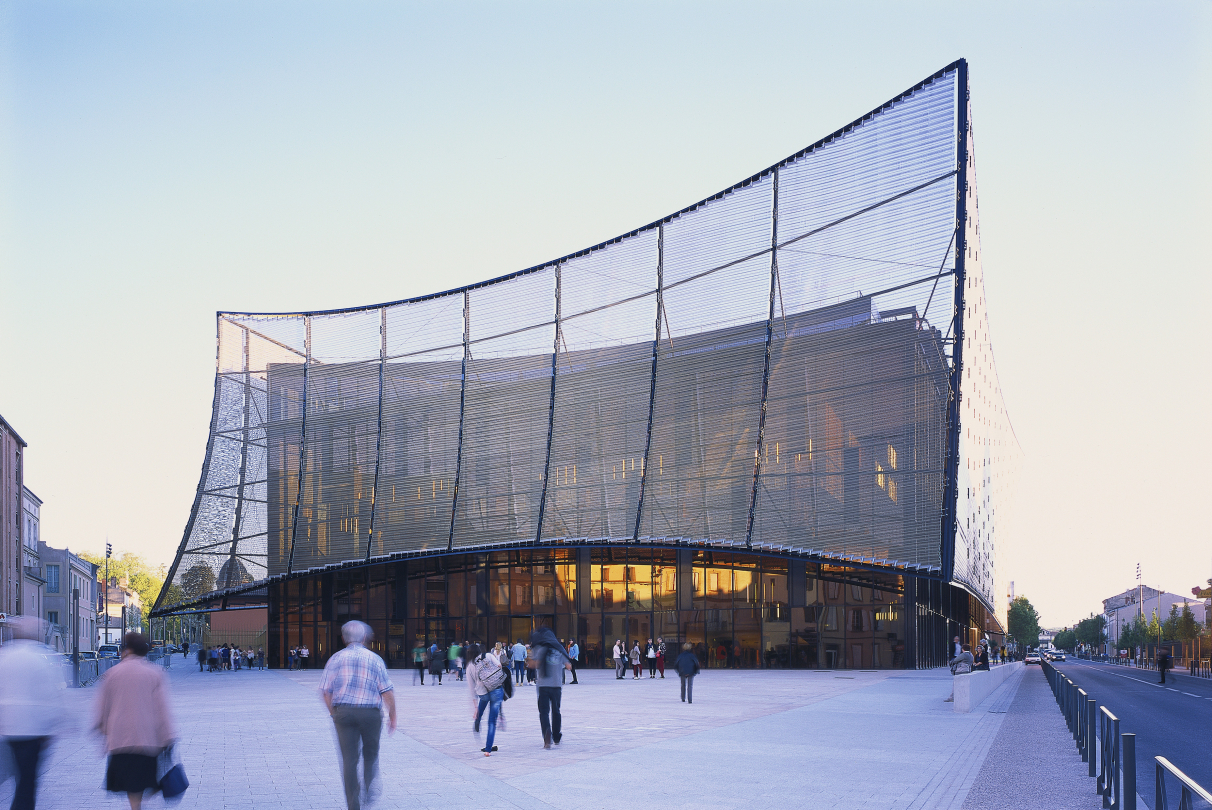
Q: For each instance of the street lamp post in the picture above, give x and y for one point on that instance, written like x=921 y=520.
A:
x=75 y=623
x=108 y=551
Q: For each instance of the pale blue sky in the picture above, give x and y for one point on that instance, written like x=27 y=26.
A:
x=162 y=161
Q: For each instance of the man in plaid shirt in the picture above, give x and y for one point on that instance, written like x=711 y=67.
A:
x=355 y=687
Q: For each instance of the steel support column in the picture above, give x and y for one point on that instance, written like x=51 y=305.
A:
x=555 y=358
x=656 y=343
x=761 y=432
x=294 y=518
x=959 y=280
x=374 y=491
x=454 y=496
x=235 y=529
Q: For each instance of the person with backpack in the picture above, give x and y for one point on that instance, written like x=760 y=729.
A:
x=687 y=667
x=548 y=659
x=487 y=678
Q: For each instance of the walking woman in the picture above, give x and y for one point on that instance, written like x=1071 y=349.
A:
x=651 y=656
x=660 y=659
x=635 y=661
x=620 y=660
x=487 y=679
x=132 y=715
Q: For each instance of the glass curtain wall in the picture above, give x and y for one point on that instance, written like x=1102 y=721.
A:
x=739 y=611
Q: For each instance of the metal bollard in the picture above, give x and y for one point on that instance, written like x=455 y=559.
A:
x=1109 y=779
x=1129 y=753
x=1088 y=754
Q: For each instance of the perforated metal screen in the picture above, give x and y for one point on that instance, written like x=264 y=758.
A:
x=771 y=368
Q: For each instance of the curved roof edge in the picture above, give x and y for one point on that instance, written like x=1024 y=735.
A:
x=535 y=268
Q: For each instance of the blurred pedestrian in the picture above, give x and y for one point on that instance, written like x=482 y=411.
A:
x=31 y=704
x=132 y=714
x=574 y=655
x=687 y=667
x=418 y=663
x=547 y=658
x=355 y=687
x=1163 y=663
x=202 y=655
x=486 y=676
x=437 y=662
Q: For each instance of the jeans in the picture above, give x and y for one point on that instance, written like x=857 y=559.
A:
x=620 y=668
x=493 y=701
x=574 y=671
x=549 y=701
x=687 y=688
x=652 y=667
x=519 y=671
x=358 y=724
x=26 y=753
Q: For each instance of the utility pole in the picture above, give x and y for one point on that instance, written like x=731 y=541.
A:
x=76 y=637
x=108 y=551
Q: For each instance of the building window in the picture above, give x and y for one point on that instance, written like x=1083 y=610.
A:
x=52 y=616
x=52 y=579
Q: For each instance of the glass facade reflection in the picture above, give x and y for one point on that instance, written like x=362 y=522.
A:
x=740 y=611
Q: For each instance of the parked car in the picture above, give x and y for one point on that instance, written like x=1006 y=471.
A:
x=107 y=651
x=88 y=655
x=1032 y=658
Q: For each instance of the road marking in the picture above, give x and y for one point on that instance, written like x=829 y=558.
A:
x=1191 y=695
x=1170 y=689
x=1129 y=677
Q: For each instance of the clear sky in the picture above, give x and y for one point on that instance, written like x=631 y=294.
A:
x=161 y=161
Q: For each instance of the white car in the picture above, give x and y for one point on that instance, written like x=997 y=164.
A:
x=1032 y=658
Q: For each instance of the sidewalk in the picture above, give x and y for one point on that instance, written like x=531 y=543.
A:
x=821 y=739
x=1033 y=759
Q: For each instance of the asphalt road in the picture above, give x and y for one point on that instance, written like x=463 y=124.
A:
x=1173 y=721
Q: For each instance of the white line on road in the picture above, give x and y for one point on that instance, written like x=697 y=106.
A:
x=1191 y=695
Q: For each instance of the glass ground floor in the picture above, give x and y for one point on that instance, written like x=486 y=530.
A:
x=739 y=610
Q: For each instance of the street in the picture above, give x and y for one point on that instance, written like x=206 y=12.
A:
x=1172 y=721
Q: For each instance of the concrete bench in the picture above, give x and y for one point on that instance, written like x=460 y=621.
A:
x=972 y=689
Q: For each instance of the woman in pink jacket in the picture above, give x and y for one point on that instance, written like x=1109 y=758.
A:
x=132 y=715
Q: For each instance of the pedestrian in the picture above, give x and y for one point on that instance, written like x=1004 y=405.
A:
x=1163 y=663
x=418 y=663
x=982 y=657
x=486 y=677
x=651 y=655
x=202 y=656
x=620 y=660
x=960 y=665
x=547 y=658
x=956 y=648
x=687 y=666
x=355 y=687
x=518 y=656
x=304 y=654
x=437 y=662
x=574 y=655
x=261 y=658
x=132 y=714
x=452 y=661
x=235 y=659
x=661 y=656
x=635 y=661
x=31 y=704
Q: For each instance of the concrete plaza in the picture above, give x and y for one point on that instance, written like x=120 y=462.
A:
x=818 y=739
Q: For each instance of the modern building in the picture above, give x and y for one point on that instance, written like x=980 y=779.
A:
x=769 y=424
x=12 y=555
x=70 y=604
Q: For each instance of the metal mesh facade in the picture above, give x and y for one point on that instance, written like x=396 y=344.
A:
x=770 y=369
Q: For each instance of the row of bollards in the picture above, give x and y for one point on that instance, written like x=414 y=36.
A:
x=1111 y=755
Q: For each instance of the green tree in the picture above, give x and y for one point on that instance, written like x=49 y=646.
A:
x=1023 y=622
x=1065 y=639
x=1090 y=631
x=141 y=576
x=1170 y=625
x=1188 y=627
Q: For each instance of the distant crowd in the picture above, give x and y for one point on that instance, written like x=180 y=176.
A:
x=229 y=658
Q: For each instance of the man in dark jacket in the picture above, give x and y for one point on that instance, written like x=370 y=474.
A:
x=1163 y=663
x=687 y=666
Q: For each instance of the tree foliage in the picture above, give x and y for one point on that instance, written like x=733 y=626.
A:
x=1065 y=640
x=1023 y=622
x=1091 y=631
x=141 y=576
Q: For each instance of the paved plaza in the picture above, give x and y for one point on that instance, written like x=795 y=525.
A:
x=821 y=739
